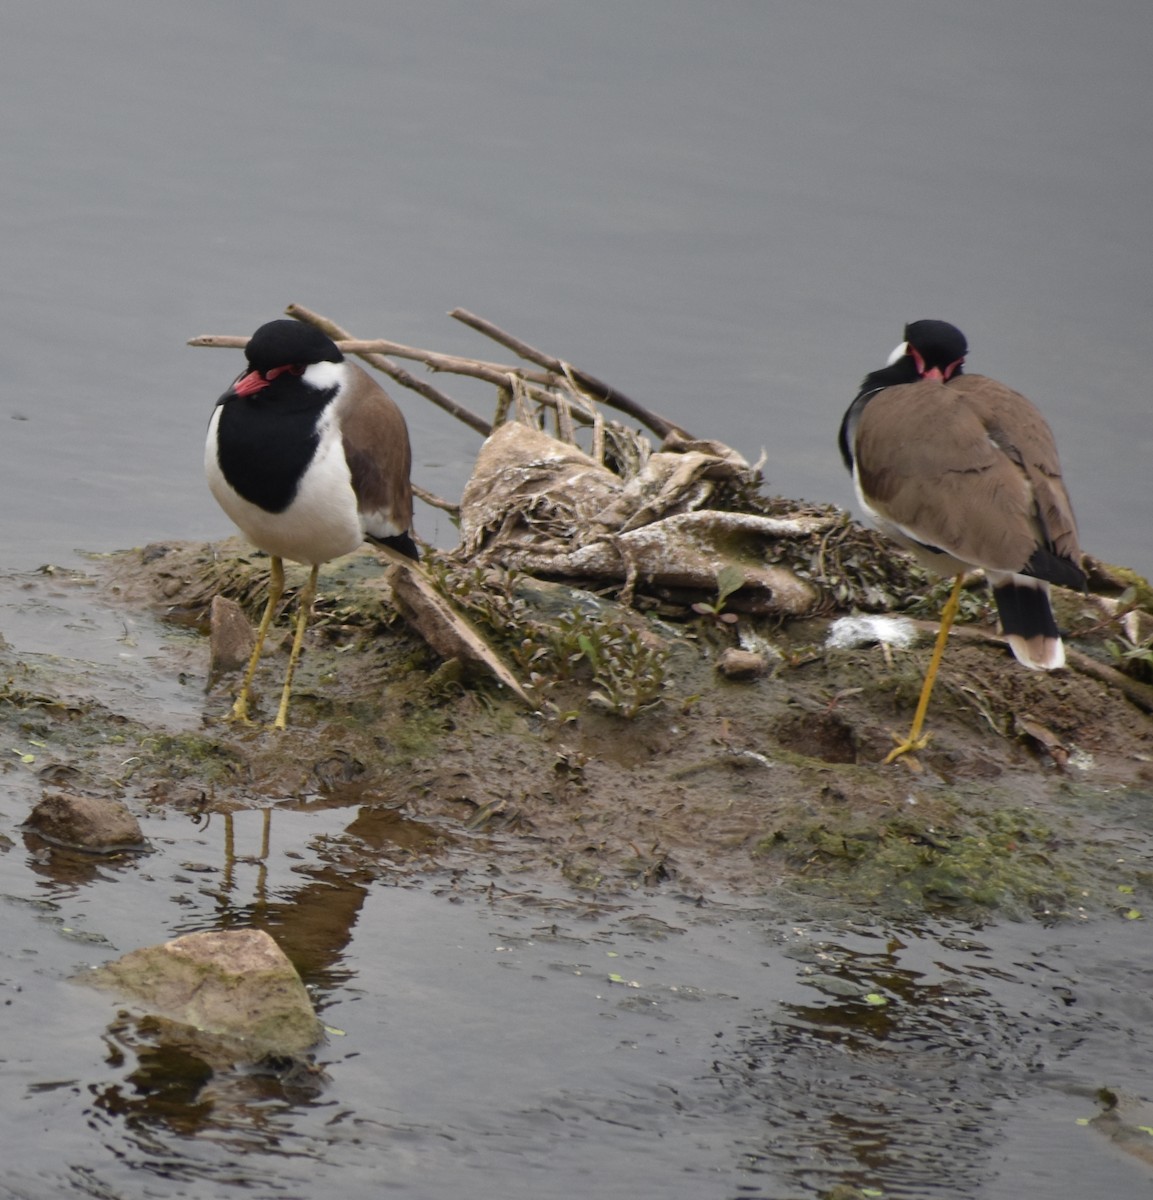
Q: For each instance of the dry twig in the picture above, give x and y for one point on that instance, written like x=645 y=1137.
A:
x=581 y=380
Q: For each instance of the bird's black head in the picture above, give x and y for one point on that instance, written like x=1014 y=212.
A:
x=932 y=350
x=289 y=343
x=937 y=347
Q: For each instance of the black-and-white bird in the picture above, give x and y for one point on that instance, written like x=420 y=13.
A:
x=962 y=472
x=310 y=458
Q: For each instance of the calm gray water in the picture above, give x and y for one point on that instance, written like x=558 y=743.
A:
x=728 y=210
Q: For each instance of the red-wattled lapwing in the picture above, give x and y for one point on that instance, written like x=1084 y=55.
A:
x=310 y=458
x=962 y=472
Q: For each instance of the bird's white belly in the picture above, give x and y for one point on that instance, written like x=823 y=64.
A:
x=321 y=523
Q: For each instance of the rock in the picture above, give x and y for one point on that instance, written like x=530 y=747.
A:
x=92 y=823
x=741 y=664
x=235 y=989
x=230 y=636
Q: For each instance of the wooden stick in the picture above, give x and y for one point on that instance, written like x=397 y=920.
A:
x=490 y=372
x=435 y=501
x=453 y=363
x=557 y=374
x=581 y=379
x=230 y=341
x=371 y=349
x=225 y=341
x=391 y=369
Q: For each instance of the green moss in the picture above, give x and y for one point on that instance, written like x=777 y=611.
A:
x=191 y=754
x=1003 y=859
x=415 y=735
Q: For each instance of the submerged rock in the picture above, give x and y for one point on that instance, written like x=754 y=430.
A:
x=235 y=987
x=91 y=823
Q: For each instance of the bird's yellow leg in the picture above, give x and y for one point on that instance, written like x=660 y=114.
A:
x=305 y=601
x=275 y=591
x=915 y=740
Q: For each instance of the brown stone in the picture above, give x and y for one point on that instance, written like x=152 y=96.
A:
x=741 y=664
x=93 y=823
x=231 y=636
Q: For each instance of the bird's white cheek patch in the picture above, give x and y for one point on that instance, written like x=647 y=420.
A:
x=324 y=376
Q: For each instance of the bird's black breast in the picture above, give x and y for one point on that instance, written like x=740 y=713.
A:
x=266 y=441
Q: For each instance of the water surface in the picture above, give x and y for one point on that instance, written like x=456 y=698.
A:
x=727 y=210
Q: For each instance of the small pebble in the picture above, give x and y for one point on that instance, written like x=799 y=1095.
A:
x=742 y=664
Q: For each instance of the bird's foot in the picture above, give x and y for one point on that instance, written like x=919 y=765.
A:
x=239 y=716
x=238 y=713
x=907 y=745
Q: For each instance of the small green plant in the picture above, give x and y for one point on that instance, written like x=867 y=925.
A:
x=628 y=669
x=729 y=579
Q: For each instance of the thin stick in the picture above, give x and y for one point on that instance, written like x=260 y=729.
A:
x=495 y=373
x=457 y=364
x=581 y=379
x=391 y=369
x=490 y=372
x=434 y=501
x=224 y=341
x=371 y=349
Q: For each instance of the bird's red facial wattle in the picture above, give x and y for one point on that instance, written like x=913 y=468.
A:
x=940 y=374
x=254 y=381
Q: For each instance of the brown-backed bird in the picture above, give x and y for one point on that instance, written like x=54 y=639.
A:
x=310 y=458
x=962 y=472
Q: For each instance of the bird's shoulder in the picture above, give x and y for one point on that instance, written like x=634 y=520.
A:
x=921 y=429
x=1013 y=422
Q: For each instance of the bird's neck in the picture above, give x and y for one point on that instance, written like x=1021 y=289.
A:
x=904 y=370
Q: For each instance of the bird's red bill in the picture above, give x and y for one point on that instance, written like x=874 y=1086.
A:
x=253 y=382
x=250 y=384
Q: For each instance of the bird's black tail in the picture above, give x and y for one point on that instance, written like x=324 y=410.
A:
x=402 y=543
x=1027 y=621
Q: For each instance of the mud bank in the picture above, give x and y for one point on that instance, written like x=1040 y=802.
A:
x=642 y=765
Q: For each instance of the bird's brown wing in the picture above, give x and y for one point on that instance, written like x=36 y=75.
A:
x=1019 y=430
x=968 y=467
x=379 y=457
